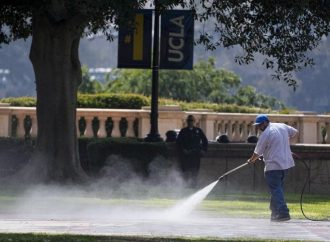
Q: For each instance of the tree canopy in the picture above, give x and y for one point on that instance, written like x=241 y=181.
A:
x=283 y=31
x=205 y=83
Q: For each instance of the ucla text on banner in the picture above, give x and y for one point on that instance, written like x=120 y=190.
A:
x=134 y=44
x=177 y=39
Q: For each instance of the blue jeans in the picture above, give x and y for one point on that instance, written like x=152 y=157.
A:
x=275 y=181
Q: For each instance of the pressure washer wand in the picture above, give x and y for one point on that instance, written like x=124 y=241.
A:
x=233 y=170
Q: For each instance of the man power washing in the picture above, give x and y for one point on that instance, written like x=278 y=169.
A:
x=274 y=145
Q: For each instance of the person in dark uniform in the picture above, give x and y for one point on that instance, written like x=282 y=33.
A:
x=192 y=144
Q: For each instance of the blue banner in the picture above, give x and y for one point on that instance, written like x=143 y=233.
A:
x=177 y=39
x=134 y=42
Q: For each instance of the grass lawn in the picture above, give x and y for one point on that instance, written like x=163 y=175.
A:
x=256 y=205
x=230 y=205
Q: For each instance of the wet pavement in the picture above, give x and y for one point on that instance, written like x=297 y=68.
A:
x=201 y=226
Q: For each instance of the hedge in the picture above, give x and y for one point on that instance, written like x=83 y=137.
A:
x=217 y=107
x=136 y=101
x=125 y=101
x=20 y=101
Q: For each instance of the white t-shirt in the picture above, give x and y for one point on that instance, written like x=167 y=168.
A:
x=274 y=145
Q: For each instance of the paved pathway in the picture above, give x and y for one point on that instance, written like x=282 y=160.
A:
x=191 y=227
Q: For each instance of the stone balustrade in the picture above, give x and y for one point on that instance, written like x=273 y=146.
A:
x=22 y=122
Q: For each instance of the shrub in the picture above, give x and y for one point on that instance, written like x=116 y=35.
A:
x=136 y=101
x=125 y=101
x=216 y=107
x=20 y=101
x=287 y=111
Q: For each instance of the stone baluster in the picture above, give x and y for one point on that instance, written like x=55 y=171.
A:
x=95 y=124
x=229 y=130
x=296 y=139
x=109 y=126
x=206 y=123
x=13 y=126
x=327 y=136
x=102 y=133
x=322 y=132
x=309 y=130
x=136 y=127
x=183 y=123
x=216 y=128
x=258 y=131
x=81 y=126
x=116 y=131
x=5 y=125
x=20 y=127
x=130 y=130
x=34 y=129
x=144 y=124
x=236 y=135
x=222 y=127
x=249 y=129
x=197 y=122
x=123 y=127
x=89 y=130
x=27 y=123
x=244 y=132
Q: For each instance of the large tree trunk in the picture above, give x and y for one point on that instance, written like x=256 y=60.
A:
x=54 y=55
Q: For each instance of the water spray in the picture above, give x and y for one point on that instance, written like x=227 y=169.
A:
x=186 y=206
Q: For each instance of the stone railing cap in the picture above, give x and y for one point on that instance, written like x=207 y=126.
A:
x=203 y=110
x=165 y=108
x=305 y=112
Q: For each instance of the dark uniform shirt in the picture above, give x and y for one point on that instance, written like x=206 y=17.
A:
x=192 y=140
x=190 y=143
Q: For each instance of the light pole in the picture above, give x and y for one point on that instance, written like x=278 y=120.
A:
x=154 y=136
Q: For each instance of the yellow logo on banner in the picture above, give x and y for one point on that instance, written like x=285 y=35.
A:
x=128 y=39
x=138 y=38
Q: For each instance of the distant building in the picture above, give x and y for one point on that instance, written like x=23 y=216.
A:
x=4 y=75
x=99 y=73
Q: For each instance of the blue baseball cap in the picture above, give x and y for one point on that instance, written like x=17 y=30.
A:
x=261 y=118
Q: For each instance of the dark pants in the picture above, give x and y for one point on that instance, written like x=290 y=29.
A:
x=275 y=181
x=190 y=166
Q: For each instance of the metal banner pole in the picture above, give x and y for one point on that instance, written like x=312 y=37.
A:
x=154 y=136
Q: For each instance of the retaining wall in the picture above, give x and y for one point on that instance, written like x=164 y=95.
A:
x=223 y=157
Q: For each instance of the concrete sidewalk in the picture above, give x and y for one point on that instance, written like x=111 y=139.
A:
x=190 y=227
